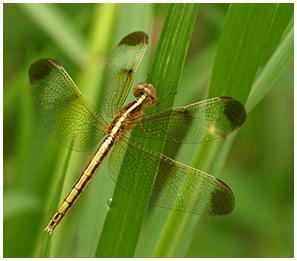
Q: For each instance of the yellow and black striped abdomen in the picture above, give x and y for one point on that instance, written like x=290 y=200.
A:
x=82 y=182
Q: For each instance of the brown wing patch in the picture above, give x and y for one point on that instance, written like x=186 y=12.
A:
x=135 y=38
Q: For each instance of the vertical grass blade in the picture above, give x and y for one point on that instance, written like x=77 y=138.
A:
x=272 y=70
x=124 y=220
x=113 y=224
x=237 y=60
x=43 y=247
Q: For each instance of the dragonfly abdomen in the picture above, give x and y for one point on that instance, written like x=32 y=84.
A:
x=82 y=182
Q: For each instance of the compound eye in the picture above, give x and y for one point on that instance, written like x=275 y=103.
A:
x=139 y=89
x=152 y=92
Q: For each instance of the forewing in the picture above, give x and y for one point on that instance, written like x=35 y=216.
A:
x=177 y=186
x=67 y=115
x=199 y=122
x=119 y=70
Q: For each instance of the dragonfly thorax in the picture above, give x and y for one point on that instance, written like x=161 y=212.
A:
x=146 y=88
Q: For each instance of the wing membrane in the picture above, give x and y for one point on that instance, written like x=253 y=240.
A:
x=68 y=116
x=199 y=122
x=119 y=70
x=177 y=186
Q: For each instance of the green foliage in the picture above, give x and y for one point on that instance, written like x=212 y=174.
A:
x=252 y=45
x=241 y=47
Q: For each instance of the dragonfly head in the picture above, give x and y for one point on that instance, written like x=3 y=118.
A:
x=148 y=89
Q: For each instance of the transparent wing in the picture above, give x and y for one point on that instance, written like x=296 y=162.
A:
x=177 y=186
x=199 y=122
x=67 y=115
x=119 y=70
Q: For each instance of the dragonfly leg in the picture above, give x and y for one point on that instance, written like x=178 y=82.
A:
x=171 y=93
x=148 y=118
x=151 y=132
x=145 y=132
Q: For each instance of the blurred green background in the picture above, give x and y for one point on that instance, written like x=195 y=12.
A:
x=259 y=168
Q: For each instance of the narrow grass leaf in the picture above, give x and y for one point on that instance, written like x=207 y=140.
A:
x=240 y=50
x=194 y=78
x=282 y=15
x=44 y=248
x=114 y=229
x=272 y=70
x=124 y=221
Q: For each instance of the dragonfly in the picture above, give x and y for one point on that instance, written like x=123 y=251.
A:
x=74 y=122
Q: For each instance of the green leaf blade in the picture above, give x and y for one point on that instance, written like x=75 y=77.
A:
x=125 y=234
x=240 y=49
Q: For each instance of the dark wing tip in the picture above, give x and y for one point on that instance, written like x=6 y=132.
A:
x=222 y=199
x=135 y=38
x=234 y=111
x=41 y=68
